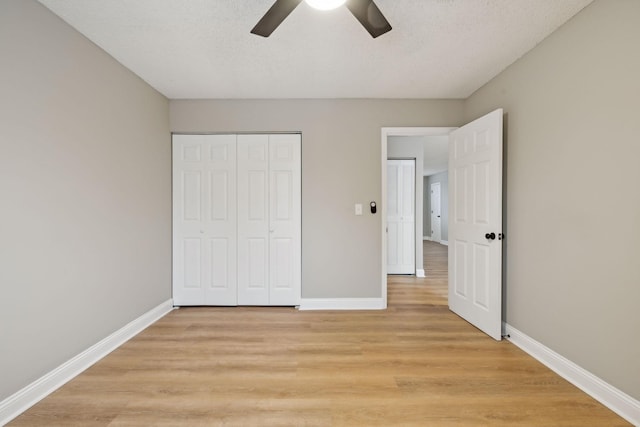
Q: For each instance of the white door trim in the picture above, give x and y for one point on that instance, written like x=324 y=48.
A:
x=386 y=132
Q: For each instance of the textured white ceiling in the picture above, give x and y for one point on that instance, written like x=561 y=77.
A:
x=203 y=48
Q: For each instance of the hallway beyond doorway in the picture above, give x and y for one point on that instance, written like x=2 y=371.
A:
x=432 y=289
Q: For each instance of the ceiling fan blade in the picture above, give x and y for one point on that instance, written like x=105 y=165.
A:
x=369 y=16
x=274 y=17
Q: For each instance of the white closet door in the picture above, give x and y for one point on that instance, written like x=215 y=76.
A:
x=253 y=219
x=236 y=219
x=204 y=220
x=269 y=262
x=284 y=219
x=401 y=217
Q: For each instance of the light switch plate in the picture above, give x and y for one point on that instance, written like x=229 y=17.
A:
x=358 y=208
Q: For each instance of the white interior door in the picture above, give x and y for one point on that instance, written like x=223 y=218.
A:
x=436 y=234
x=475 y=223
x=204 y=219
x=401 y=216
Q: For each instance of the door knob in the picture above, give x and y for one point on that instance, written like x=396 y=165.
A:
x=490 y=236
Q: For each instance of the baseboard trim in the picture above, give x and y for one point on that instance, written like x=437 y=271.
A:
x=25 y=398
x=619 y=402
x=420 y=272
x=342 y=304
x=426 y=237
x=444 y=242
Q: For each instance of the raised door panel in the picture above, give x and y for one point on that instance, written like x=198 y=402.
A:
x=393 y=243
x=407 y=243
x=407 y=188
x=191 y=258
x=191 y=200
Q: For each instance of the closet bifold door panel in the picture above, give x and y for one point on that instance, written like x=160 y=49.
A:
x=237 y=219
x=204 y=220
x=253 y=219
x=284 y=220
x=269 y=263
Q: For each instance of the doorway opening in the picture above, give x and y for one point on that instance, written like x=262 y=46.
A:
x=475 y=253
x=429 y=147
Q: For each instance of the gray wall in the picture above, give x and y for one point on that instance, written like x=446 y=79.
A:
x=411 y=147
x=85 y=189
x=443 y=179
x=341 y=164
x=572 y=198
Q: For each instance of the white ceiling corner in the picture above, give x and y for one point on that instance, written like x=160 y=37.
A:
x=203 y=49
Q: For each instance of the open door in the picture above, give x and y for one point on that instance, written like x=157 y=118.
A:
x=475 y=223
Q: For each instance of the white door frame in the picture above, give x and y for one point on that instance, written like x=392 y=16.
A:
x=385 y=134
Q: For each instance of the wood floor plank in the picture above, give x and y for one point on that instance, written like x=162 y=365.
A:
x=414 y=364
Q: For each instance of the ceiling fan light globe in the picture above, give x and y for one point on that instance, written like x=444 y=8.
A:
x=325 y=4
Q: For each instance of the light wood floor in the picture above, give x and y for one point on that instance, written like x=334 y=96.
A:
x=413 y=364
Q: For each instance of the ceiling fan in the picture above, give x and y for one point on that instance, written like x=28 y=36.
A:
x=365 y=11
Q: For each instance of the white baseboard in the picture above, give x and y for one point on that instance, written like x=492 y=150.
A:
x=420 y=272
x=25 y=398
x=444 y=242
x=426 y=238
x=342 y=304
x=619 y=402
